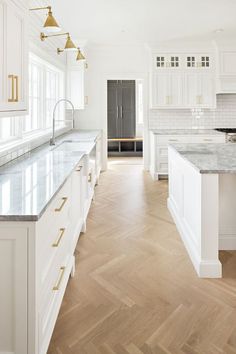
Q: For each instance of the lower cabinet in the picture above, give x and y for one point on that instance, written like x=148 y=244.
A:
x=36 y=261
x=159 y=149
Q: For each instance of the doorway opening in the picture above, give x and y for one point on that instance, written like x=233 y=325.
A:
x=125 y=118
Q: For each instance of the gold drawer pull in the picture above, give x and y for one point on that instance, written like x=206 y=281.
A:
x=62 y=231
x=57 y=286
x=90 y=177
x=79 y=168
x=64 y=199
x=12 y=99
x=173 y=140
x=207 y=139
x=17 y=89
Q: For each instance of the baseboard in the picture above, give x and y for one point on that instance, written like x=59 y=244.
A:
x=227 y=242
x=204 y=268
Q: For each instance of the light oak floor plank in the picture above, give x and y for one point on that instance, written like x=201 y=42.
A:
x=135 y=290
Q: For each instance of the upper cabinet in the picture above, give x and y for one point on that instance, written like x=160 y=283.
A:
x=226 y=70
x=13 y=58
x=75 y=85
x=182 y=80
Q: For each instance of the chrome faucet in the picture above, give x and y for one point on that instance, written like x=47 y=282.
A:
x=52 y=140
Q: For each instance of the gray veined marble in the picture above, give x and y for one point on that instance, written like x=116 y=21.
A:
x=28 y=184
x=186 y=132
x=209 y=158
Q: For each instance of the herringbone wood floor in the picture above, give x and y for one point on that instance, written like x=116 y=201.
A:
x=135 y=290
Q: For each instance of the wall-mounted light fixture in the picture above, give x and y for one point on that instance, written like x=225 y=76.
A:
x=50 y=24
x=69 y=46
x=80 y=56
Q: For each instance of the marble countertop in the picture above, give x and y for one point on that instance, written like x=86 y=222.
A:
x=186 y=132
x=209 y=158
x=28 y=183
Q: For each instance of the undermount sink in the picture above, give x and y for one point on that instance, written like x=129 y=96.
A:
x=73 y=146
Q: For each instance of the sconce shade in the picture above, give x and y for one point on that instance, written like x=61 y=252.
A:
x=80 y=56
x=51 y=24
x=69 y=46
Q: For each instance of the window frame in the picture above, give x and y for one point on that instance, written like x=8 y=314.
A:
x=17 y=128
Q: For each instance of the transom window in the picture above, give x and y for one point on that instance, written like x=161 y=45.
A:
x=191 y=62
x=160 y=62
x=205 y=62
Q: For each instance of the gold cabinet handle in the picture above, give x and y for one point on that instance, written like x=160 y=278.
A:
x=57 y=286
x=61 y=233
x=12 y=99
x=90 y=177
x=167 y=99
x=64 y=199
x=173 y=140
x=79 y=169
x=17 y=88
x=207 y=140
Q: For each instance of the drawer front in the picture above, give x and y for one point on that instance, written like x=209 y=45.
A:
x=168 y=139
x=162 y=167
x=162 y=151
x=52 y=231
x=51 y=303
x=58 y=208
x=209 y=139
x=51 y=252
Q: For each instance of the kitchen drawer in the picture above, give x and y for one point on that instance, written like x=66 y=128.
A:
x=209 y=139
x=52 y=246
x=162 y=151
x=162 y=167
x=57 y=211
x=50 y=306
x=172 y=139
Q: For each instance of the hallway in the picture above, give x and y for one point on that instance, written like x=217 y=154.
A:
x=135 y=290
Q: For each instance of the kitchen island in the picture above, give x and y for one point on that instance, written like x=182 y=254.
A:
x=202 y=201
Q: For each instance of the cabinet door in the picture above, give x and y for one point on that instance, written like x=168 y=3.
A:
x=75 y=86
x=113 y=105
x=127 y=109
x=199 y=91
x=15 y=59
x=13 y=295
x=167 y=90
x=175 y=90
x=159 y=90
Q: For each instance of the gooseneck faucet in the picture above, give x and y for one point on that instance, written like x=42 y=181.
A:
x=52 y=140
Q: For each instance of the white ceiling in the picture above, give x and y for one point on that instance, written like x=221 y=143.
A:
x=145 y=21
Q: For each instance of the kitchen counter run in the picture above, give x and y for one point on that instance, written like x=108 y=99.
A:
x=29 y=183
x=186 y=132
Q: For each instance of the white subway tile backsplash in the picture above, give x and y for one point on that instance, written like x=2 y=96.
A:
x=223 y=116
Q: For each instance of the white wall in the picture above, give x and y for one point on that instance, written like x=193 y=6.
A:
x=110 y=63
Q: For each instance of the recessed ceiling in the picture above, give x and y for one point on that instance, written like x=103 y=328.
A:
x=145 y=21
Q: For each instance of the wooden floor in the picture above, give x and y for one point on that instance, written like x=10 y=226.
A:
x=135 y=290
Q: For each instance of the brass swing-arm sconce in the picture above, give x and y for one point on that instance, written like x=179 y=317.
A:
x=50 y=24
x=80 y=56
x=69 y=46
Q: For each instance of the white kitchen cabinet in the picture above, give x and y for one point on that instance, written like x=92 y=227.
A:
x=13 y=275
x=167 y=90
x=199 y=90
x=36 y=260
x=75 y=85
x=182 y=81
x=226 y=71
x=13 y=58
x=159 y=148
